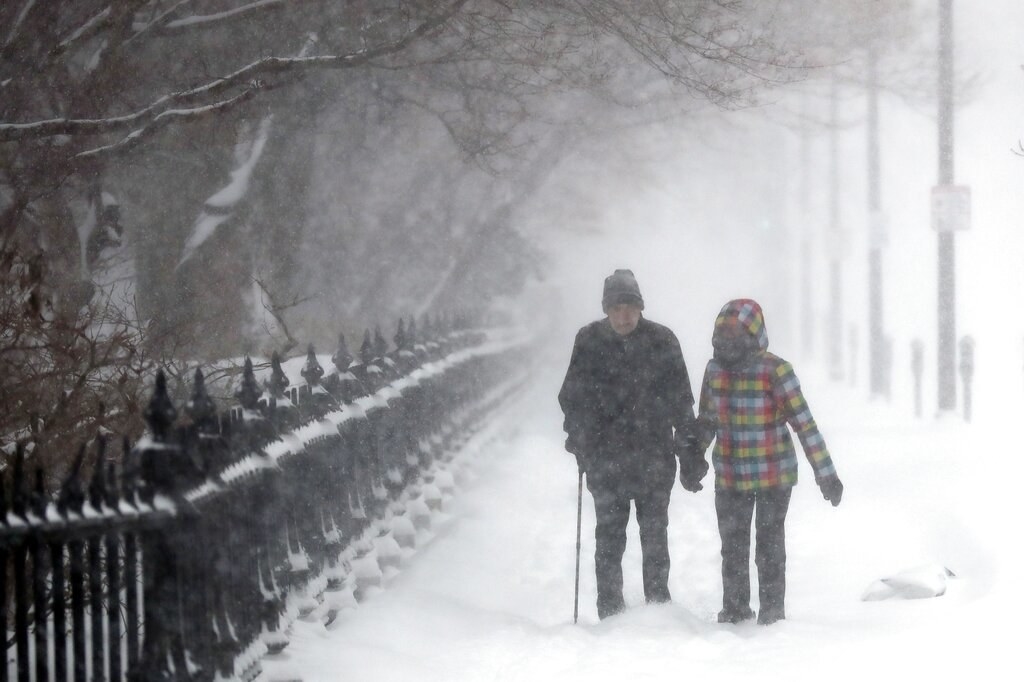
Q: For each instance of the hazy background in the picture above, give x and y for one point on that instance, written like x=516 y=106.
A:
x=170 y=196
x=710 y=210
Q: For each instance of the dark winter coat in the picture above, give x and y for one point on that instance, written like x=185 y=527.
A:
x=622 y=396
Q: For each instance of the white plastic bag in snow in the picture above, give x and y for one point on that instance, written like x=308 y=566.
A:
x=916 y=583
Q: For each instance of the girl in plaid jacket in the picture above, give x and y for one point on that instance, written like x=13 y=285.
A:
x=749 y=400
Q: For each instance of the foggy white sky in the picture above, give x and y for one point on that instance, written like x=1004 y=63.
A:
x=689 y=220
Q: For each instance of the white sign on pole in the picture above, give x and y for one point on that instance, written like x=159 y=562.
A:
x=951 y=208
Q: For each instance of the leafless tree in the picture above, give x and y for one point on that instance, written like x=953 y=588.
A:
x=188 y=133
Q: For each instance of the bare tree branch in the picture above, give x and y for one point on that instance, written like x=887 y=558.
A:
x=94 y=25
x=164 y=119
x=247 y=74
x=208 y=20
x=277 y=310
x=158 y=20
x=16 y=25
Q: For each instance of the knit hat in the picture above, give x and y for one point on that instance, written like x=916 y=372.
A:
x=621 y=287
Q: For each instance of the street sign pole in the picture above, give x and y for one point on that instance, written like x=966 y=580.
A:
x=946 y=347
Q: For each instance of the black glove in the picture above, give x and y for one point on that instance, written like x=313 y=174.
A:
x=831 y=489
x=692 y=465
x=576 y=444
x=582 y=463
x=691 y=470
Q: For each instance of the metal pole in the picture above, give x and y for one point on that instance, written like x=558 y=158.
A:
x=876 y=335
x=806 y=274
x=835 y=331
x=946 y=347
x=579 y=530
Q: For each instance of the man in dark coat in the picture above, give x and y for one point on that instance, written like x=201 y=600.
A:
x=624 y=393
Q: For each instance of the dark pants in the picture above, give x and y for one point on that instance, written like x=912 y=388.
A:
x=769 y=509
x=611 y=507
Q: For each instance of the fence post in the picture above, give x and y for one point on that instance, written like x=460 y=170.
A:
x=129 y=481
x=213 y=487
x=72 y=499
x=97 y=492
x=348 y=389
x=114 y=578
x=159 y=460
x=20 y=508
x=3 y=578
x=39 y=580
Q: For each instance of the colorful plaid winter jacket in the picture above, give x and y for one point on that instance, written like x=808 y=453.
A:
x=746 y=410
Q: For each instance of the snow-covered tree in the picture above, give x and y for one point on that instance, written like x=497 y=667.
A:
x=181 y=166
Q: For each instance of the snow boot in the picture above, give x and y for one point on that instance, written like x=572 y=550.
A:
x=770 y=615
x=734 y=616
x=610 y=607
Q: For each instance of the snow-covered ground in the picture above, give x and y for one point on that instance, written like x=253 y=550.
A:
x=491 y=596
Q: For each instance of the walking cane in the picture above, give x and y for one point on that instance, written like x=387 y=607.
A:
x=579 y=523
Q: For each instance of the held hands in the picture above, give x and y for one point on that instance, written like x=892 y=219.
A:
x=692 y=465
x=831 y=489
x=691 y=471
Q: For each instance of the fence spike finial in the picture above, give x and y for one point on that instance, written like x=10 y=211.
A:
x=129 y=468
x=70 y=496
x=19 y=498
x=161 y=413
x=111 y=498
x=38 y=501
x=380 y=346
x=312 y=372
x=201 y=408
x=278 y=379
x=249 y=392
x=400 y=337
x=98 y=485
x=342 y=358
x=101 y=417
x=366 y=350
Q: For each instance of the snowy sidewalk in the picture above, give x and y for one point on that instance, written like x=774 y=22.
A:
x=490 y=598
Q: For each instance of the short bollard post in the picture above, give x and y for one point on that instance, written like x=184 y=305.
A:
x=967 y=372
x=917 y=366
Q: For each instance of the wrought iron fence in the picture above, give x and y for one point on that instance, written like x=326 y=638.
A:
x=189 y=558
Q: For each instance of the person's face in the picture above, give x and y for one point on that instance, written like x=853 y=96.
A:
x=732 y=342
x=731 y=330
x=624 y=317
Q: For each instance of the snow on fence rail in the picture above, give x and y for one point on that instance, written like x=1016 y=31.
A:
x=191 y=560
